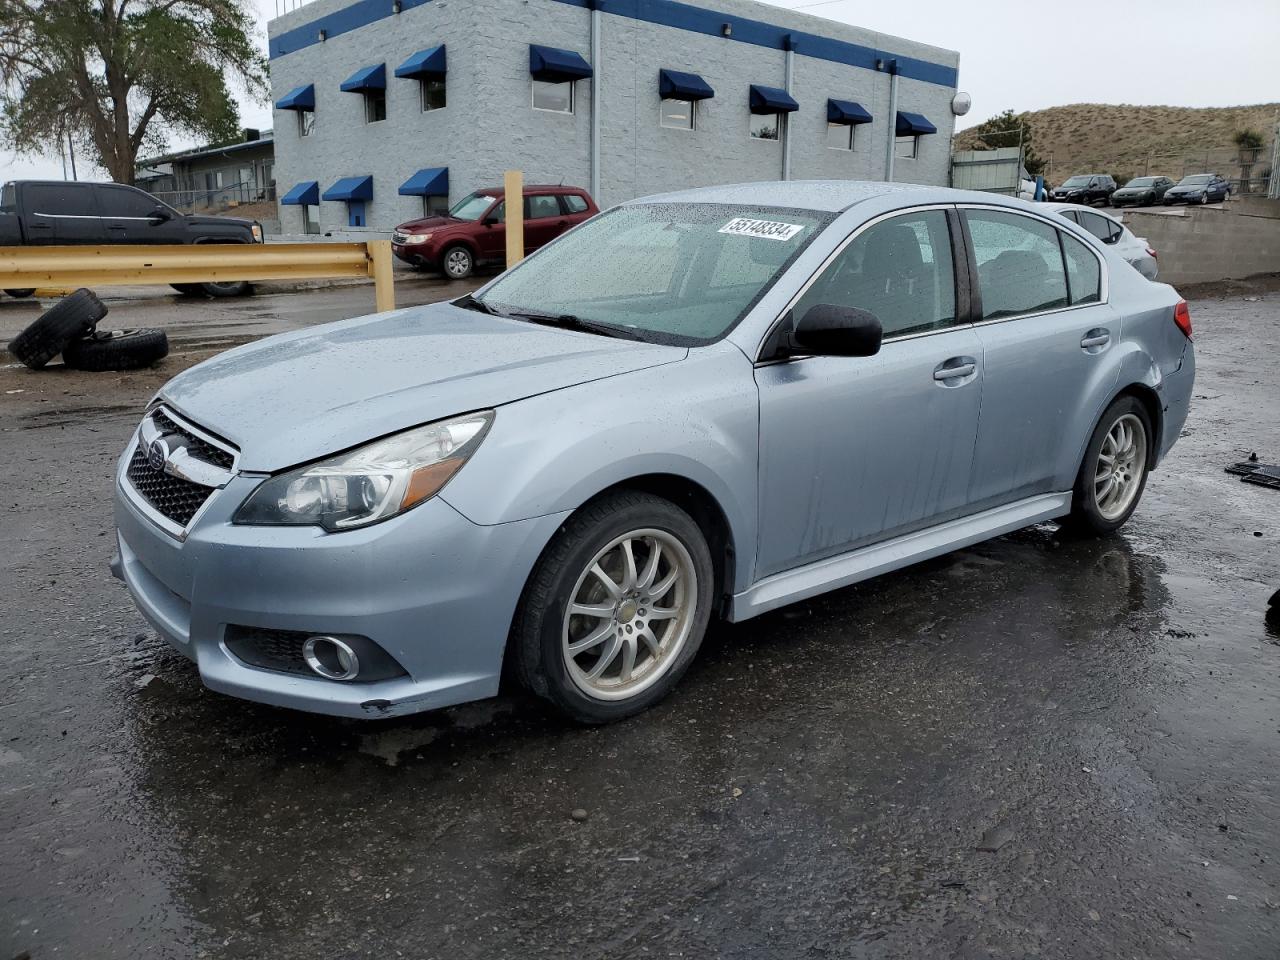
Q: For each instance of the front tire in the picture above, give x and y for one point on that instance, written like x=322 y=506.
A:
x=1113 y=475
x=457 y=263
x=615 y=609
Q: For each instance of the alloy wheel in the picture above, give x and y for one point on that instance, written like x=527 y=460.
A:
x=457 y=263
x=1122 y=462
x=629 y=614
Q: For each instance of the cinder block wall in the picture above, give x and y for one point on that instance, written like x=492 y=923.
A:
x=1208 y=245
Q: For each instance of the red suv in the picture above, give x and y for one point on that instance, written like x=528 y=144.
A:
x=475 y=231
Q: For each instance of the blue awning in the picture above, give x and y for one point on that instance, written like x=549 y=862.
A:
x=351 y=188
x=431 y=182
x=674 y=85
x=367 y=78
x=913 y=123
x=304 y=194
x=771 y=100
x=846 y=111
x=426 y=64
x=299 y=98
x=557 y=66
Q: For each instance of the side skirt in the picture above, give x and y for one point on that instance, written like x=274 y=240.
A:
x=866 y=562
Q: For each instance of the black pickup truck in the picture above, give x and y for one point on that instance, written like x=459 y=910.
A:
x=59 y=212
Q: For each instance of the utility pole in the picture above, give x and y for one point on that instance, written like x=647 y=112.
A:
x=71 y=149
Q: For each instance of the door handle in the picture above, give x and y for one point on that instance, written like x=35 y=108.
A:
x=1095 y=340
x=954 y=369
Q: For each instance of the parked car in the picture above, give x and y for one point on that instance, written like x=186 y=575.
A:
x=1198 y=188
x=1135 y=250
x=1086 y=188
x=708 y=403
x=475 y=231
x=1141 y=192
x=60 y=212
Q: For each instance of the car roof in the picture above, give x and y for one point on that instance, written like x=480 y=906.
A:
x=532 y=187
x=832 y=196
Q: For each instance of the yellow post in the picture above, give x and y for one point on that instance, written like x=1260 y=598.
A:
x=513 y=184
x=384 y=289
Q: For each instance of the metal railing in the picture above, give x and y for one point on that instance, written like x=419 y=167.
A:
x=218 y=199
x=91 y=266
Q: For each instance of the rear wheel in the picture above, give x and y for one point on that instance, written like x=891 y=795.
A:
x=615 y=609
x=1114 y=472
x=229 y=288
x=457 y=263
x=21 y=293
x=189 y=289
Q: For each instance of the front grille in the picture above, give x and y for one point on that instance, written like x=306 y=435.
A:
x=269 y=649
x=175 y=498
x=197 y=447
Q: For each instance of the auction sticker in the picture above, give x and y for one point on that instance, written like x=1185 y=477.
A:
x=764 y=229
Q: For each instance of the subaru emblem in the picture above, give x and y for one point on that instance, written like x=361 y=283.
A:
x=158 y=454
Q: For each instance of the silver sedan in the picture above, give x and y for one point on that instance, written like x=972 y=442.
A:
x=705 y=404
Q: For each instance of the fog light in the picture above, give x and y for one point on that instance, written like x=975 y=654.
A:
x=330 y=657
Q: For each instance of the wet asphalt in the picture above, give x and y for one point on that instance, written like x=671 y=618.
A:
x=1103 y=717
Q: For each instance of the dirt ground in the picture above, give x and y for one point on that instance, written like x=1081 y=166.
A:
x=1036 y=747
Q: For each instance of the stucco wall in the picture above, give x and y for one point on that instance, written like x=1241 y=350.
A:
x=489 y=125
x=1208 y=245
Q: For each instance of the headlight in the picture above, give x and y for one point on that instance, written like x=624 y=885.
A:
x=371 y=483
x=415 y=238
x=257 y=232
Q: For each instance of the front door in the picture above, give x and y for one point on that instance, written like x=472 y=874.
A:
x=132 y=216
x=491 y=238
x=1044 y=334
x=857 y=450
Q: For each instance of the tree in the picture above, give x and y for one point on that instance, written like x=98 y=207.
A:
x=118 y=76
x=1002 y=131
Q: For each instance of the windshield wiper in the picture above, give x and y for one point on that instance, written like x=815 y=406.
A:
x=469 y=302
x=567 y=321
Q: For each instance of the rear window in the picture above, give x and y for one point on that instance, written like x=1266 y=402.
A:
x=574 y=203
x=9 y=198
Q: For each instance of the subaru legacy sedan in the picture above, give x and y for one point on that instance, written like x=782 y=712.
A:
x=704 y=404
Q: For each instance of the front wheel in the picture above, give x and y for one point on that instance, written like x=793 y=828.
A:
x=616 y=608
x=1114 y=472
x=458 y=263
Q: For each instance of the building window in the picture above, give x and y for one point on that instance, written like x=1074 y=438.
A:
x=840 y=136
x=906 y=147
x=677 y=114
x=766 y=126
x=554 y=97
x=435 y=206
x=375 y=105
x=432 y=95
x=306 y=122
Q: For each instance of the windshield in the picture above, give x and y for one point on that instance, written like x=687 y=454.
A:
x=1198 y=178
x=1076 y=182
x=1141 y=182
x=681 y=273
x=471 y=207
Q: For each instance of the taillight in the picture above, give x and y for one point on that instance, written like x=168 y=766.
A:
x=1151 y=253
x=1182 y=317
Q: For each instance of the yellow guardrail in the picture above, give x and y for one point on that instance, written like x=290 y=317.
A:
x=90 y=266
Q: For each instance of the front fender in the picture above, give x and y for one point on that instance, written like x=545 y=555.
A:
x=695 y=419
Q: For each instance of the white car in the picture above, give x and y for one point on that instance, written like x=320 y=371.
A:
x=1113 y=233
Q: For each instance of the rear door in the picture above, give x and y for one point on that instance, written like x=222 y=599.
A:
x=1045 y=329
x=543 y=220
x=61 y=213
x=855 y=450
x=130 y=215
x=576 y=208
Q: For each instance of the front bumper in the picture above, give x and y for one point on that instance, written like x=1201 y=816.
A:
x=433 y=589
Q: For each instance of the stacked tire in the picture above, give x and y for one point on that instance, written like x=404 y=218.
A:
x=70 y=328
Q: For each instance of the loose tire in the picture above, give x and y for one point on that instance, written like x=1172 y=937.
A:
x=117 y=350
x=21 y=293
x=615 y=609
x=66 y=321
x=1114 y=472
x=230 y=288
x=457 y=263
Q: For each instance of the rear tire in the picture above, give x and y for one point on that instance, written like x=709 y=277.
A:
x=189 y=289
x=65 y=322
x=638 y=624
x=231 y=288
x=22 y=293
x=1114 y=473
x=117 y=350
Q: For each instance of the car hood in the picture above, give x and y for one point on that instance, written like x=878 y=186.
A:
x=1128 y=190
x=1067 y=189
x=423 y=224
x=1188 y=188
x=299 y=396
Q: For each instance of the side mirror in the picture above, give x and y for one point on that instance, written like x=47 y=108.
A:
x=830 y=330
x=160 y=214
x=490 y=220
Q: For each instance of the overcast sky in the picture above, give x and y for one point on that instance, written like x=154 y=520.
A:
x=1026 y=56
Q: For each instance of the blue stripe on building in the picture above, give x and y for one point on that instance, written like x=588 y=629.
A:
x=667 y=13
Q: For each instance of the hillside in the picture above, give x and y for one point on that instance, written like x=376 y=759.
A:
x=1119 y=138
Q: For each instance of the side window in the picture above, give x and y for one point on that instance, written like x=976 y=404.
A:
x=1070 y=215
x=1019 y=263
x=574 y=203
x=541 y=205
x=123 y=202
x=1084 y=274
x=1100 y=227
x=1114 y=230
x=61 y=199
x=900 y=269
